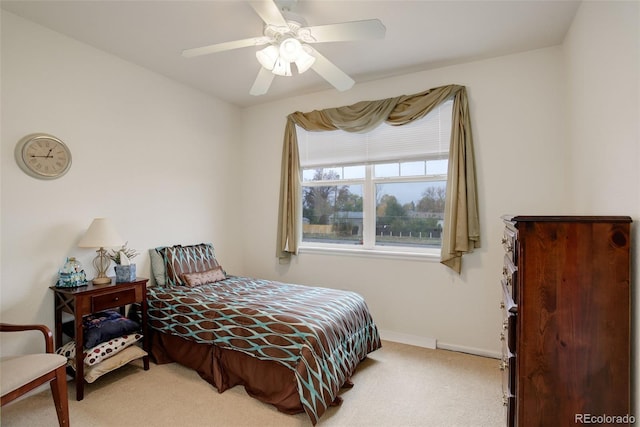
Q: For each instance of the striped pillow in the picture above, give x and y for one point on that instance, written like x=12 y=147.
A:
x=180 y=260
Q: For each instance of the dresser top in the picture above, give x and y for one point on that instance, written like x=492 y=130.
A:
x=566 y=218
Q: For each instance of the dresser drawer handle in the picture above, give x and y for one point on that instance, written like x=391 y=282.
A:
x=502 y=305
x=505 y=324
x=506 y=275
x=504 y=365
x=502 y=337
x=507 y=244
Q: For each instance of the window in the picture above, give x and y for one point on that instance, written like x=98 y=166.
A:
x=381 y=190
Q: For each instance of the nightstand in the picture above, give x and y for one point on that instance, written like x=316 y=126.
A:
x=93 y=298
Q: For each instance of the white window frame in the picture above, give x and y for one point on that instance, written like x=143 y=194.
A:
x=369 y=246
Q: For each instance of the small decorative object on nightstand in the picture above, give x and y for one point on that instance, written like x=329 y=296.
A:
x=71 y=275
x=125 y=273
x=125 y=270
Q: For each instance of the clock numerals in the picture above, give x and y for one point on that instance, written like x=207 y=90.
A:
x=60 y=155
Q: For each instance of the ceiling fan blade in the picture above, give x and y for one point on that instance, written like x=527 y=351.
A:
x=345 y=31
x=220 y=47
x=262 y=83
x=330 y=72
x=269 y=12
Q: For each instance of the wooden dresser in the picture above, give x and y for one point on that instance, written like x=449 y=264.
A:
x=566 y=307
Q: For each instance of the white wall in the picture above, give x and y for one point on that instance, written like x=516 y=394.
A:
x=152 y=155
x=602 y=54
x=516 y=105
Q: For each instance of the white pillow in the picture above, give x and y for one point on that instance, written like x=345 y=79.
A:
x=157 y=266
x=94 y=372
x=102 y=351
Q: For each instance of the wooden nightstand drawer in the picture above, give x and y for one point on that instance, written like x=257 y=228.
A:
x=113 y=299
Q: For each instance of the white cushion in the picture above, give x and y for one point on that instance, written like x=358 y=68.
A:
x=16 y=371
x=92 y=373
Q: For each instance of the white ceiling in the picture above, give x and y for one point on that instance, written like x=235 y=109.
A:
x=420 y=35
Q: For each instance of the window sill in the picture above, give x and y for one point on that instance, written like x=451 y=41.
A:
x=391 y=253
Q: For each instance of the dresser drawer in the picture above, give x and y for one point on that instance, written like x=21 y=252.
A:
x=113 y=299
x=510 y=277
x=509 y=240
x=508 y=334
x=508 y=368
x=509 y=403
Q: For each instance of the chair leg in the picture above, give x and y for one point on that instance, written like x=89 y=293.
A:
x=60 y=397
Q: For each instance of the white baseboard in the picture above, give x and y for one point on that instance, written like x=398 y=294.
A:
x=425 y=342
x=471 y=350
x=432 y=343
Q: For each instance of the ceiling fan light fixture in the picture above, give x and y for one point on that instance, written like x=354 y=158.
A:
x=282 y=68
x=268 y=56
x=304 y=61
x=290 y=49
x=285 y=37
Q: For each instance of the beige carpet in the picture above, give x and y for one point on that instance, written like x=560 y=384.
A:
x=397 y=386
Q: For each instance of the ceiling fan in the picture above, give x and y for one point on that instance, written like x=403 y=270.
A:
x=288 y=41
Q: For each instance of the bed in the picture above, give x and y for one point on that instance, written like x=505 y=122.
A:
x=291 y=346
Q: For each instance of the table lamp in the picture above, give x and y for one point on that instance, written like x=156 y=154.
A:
x=100 y=234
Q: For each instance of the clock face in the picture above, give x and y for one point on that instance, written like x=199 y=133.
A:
x=43 y=156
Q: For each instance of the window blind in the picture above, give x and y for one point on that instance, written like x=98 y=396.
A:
x=419 y=139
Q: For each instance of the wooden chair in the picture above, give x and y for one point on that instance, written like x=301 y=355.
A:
x=21 y=374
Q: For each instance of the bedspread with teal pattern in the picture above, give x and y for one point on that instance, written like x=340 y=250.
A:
x=320 y=334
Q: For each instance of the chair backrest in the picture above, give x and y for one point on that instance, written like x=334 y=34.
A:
x=48 y=336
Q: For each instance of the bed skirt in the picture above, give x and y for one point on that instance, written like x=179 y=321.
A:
x=265 y=380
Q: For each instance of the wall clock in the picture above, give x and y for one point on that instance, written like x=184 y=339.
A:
x=43 y=156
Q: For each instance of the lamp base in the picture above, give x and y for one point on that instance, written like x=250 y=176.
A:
x=101 y=263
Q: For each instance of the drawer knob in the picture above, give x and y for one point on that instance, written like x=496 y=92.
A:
x=502 y=305
x=502 y=337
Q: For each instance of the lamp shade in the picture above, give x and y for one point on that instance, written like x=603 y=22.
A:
x=304 y=60
x=101 y=234
x=290 y=49
x=267 y=57
x=282 y=68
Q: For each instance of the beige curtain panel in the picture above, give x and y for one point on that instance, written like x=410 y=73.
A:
x=461 y=232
